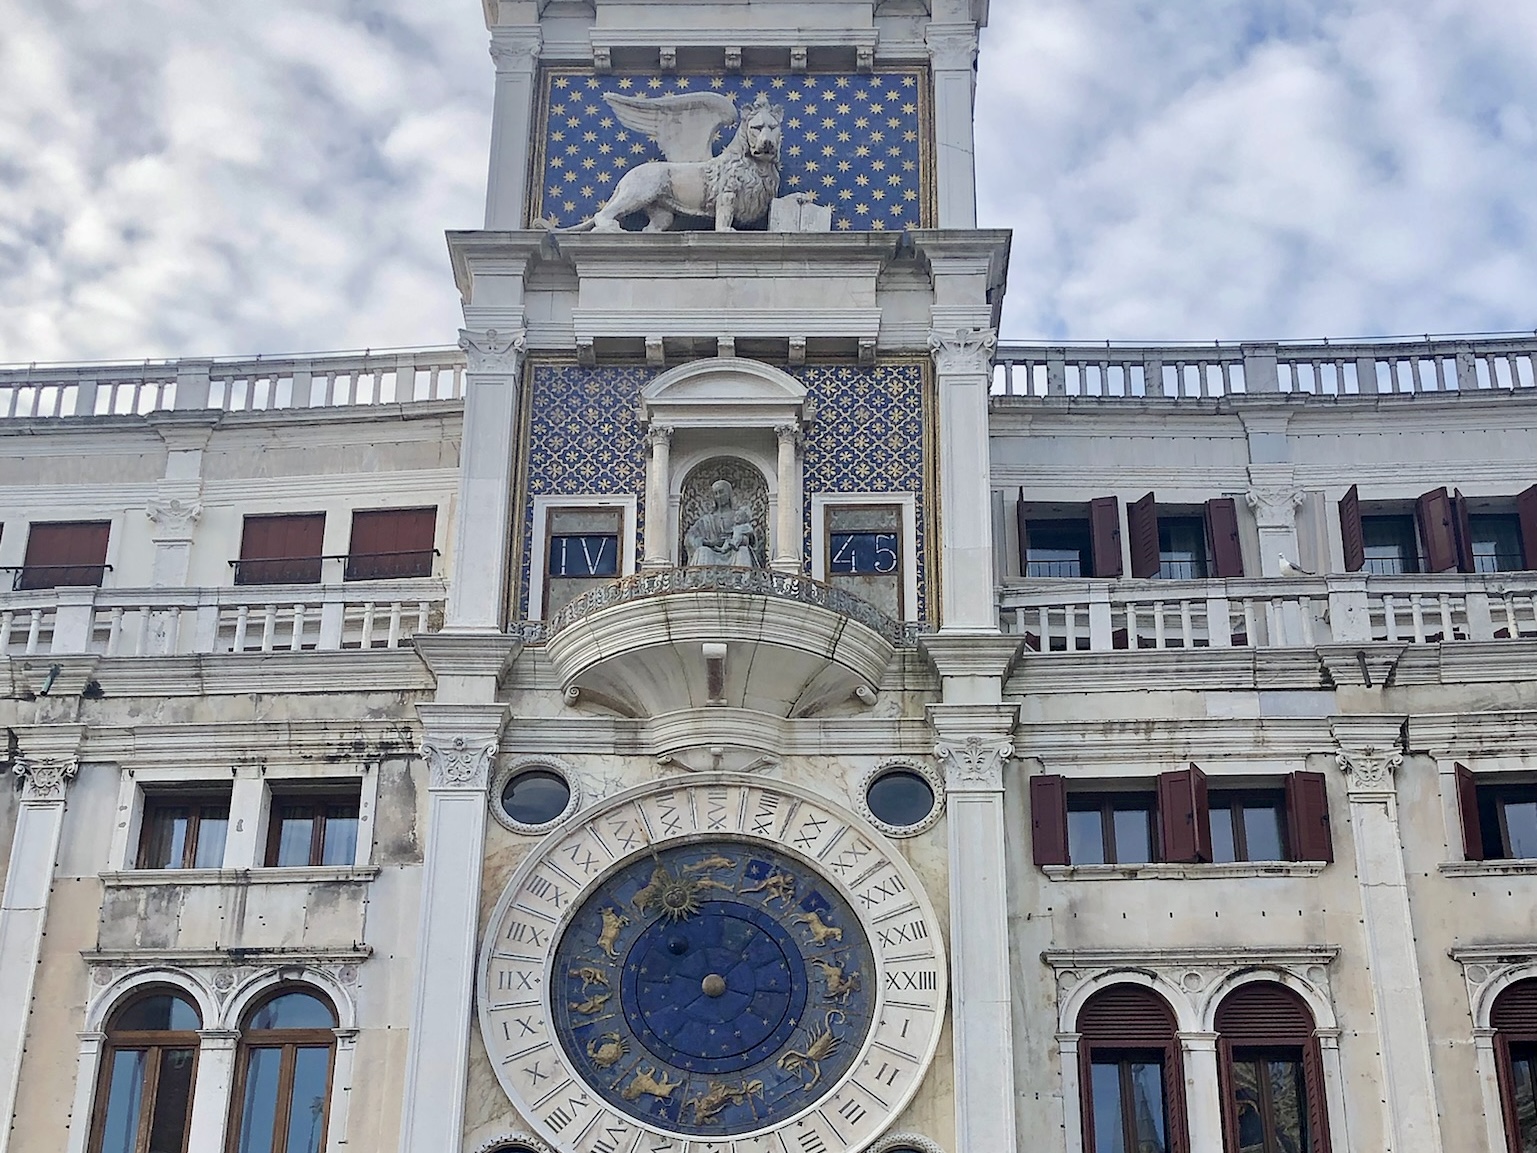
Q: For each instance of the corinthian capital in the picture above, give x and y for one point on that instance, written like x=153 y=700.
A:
x=1274 y=507
x=952 y=47
x=1369 y=770
x=963 y=351
x=974 y=762
x=494 y=352
x=516 y=50
x=458 y=763
x=173 y=519
x=45 y=778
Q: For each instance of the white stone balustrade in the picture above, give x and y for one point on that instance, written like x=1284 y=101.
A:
x=1193 y=371
x=1101 y=616
x=235 y=385
x=182 y=622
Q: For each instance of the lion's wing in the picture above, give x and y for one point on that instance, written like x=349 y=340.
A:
x=682 y=125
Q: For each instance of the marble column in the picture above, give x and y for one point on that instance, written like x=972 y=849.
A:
x=87 y=1068
x=1408 y=1087
x=787 y=537
x=212 y=1089
x=953 y=56
x=972 y=743
x=477 y=598
x=459 y=745
x=658 y=553
x=1072 y=1088
x=1203 y=1094
x=963 y=359
x=1275 y=516
x=1489 y=1083
x=516 y=52
x=24 y=906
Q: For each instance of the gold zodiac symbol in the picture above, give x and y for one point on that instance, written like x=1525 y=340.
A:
x=593 y=1004
x=840 y=986
x=821 y=1044
x=613 y=921
x=590 y=976
x=775 y=887
x=821 y=932
x=650 y=1082
x=607 y=1050
x=708 y=1105
x=677 y=897
x=710 y=864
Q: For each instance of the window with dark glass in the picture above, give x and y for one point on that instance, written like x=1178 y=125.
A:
x=1499 y=817
x=1271 y=1072
x=278 y=550
x=1391 y=545
x=183 y=832
x=1058 y=548
x=144 y=1093
x=1181 y=548
x=1130 y=1071
x=1248 y=825
x=391 y=543
x=283 y=1076
x=1514 y=1019
x=1494 y=540
x=308 y=828
x=1110 y=828
x=61 y=554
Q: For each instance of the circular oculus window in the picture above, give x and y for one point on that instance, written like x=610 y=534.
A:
x=902 y=798
x=533 y=796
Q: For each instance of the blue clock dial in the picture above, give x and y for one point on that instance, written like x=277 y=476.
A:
x=713 y=988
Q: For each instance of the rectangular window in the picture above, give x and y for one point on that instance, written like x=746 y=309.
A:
x=281 y=550
x=184 y=832
x=1069 y=540
x=63 y=554
x=1508 y=817
x=1495 y=542
x=1270 y=1101
x=1181 y=548
x=1249 y=826
x=1128 y=1109
x=581 y=549
x=1523 y=1096
x=1110 y=828
x=313 y=829
x=1059 y=548
x=1390 y=545
x=391 y=544
x=864 y=553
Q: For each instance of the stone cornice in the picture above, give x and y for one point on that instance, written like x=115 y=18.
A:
x=1216 y=955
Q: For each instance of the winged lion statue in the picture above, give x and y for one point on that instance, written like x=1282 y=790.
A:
x=738 y=185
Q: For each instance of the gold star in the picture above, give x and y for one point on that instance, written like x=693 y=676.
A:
x=779 y=82
x=862 y=122
x=717 y=82
x=592 y=82
x=626 y=83
x=843 y=82
x=606 y=122
x=590 y=137
x=561 y=82
x=844 y=110
x=558 y=109
x=875 y=109
x=654 y=82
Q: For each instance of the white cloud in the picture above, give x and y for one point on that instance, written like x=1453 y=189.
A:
x=192 y=179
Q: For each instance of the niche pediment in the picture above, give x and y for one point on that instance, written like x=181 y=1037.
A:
x=724 y=392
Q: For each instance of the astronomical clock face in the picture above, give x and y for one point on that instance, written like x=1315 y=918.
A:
x=722 y=966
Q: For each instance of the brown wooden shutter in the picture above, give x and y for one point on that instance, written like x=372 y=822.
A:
x=1307 y=817
x=391 y=542
x=1048 y=819
x=1105 y=535
x=1514 y=1018
x=1462 y=532
x=1142 y=523
x=1351 y=534
x=281 y=549
x=1222 y=528
x=1263 y=1014
x=1133 y=1017
x=1024 y=534
x=1184 y=820
x=1526 y=511
x=1433 y=510
x=65 y=553
x=1467 y=803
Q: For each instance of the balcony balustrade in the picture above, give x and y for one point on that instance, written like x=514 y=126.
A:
x=180 y=622
x=1104 y=616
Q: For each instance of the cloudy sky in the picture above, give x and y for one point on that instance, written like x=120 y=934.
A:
x=186 y=178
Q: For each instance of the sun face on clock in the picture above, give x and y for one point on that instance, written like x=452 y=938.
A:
x=720 y=963
x=713 y=988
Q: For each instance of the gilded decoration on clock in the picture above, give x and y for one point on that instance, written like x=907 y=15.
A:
x=718 y=958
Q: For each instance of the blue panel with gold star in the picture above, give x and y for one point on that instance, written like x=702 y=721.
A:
x=857 y=141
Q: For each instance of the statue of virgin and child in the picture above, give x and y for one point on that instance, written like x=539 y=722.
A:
x=725 y=536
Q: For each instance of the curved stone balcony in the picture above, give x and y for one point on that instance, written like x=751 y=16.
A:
x=776 y=643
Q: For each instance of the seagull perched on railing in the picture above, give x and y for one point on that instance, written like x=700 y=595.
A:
x=1290 y=570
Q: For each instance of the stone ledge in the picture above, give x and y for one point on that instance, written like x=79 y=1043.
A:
x=266 y=875
x=1163 y=871
x=1513 y=868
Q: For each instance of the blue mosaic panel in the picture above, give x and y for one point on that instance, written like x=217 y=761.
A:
x=714 y=988
x=856 y=141
x=584 y=439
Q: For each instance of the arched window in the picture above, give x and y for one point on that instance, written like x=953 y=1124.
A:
x=1514 y=1017
x=144 y=1096
x=1272 y=1072
x=1132 y=1081
x=283 y=1075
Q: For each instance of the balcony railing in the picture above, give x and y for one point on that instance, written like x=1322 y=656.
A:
x=181 y=622
x=1104 y=616
x=753 y=582
x=329 y=380
x=1367 y=368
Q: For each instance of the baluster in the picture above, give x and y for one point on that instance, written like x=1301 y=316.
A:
x=7 y=622
x=1131 y=626
x=141 y=634
x=422 y=609
x=296 y=640
x=1019 y=620
x=367 y=641
x=1250 y=624
x=394 y=638
x=114 y=631
x=269 y=626
x=34 y=631
x=1305 y=607
x=1275 y=622
x=242 y=619
x=173 y=631
x=1446 y=619
x=1045 y=629
x=1159 y=639
x=1417 y=616
x=1186 y=633
x=1389 y=618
